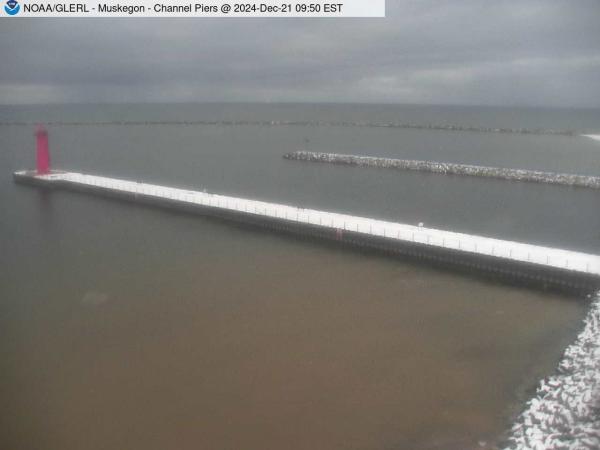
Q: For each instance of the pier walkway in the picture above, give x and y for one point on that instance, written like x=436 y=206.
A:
x=544 y=264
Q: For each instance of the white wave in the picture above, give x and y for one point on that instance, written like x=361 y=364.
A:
x=595 y=137
x=564 y=412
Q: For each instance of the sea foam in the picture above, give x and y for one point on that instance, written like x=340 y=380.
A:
x=595 y=137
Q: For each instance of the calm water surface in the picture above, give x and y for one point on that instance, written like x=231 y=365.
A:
x=129 y=327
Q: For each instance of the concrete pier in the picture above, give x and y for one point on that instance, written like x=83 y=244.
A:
x=514 y=261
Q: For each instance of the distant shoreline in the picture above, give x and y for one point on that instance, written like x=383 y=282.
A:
x=316 y=123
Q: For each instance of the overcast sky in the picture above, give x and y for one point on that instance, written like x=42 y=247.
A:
x=523 y=52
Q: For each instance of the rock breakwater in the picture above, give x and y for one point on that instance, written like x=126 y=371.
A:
x=535 y=176
x=565 y=411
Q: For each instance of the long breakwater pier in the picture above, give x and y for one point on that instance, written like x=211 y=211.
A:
x=524 y=263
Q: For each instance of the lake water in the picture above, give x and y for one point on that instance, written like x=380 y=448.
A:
x=124 y=326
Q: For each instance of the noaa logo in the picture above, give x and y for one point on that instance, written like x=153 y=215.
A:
x=12 y=7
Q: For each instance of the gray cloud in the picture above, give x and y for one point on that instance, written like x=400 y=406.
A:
x=527 y=52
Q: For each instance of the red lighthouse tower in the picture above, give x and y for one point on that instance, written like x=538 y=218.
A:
x=43 y=152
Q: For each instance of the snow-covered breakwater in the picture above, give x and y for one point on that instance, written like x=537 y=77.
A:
x=449 y=168
x=565 y=411
x=535 y=265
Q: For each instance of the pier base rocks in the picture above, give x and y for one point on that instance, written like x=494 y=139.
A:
x=565 y=412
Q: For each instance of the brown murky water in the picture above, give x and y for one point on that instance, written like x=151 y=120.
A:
x=270 y=343
x=129 y=327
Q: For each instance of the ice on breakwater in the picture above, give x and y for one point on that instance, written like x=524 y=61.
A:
x=565 y=411
x=536 y=176
x=316 y=123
